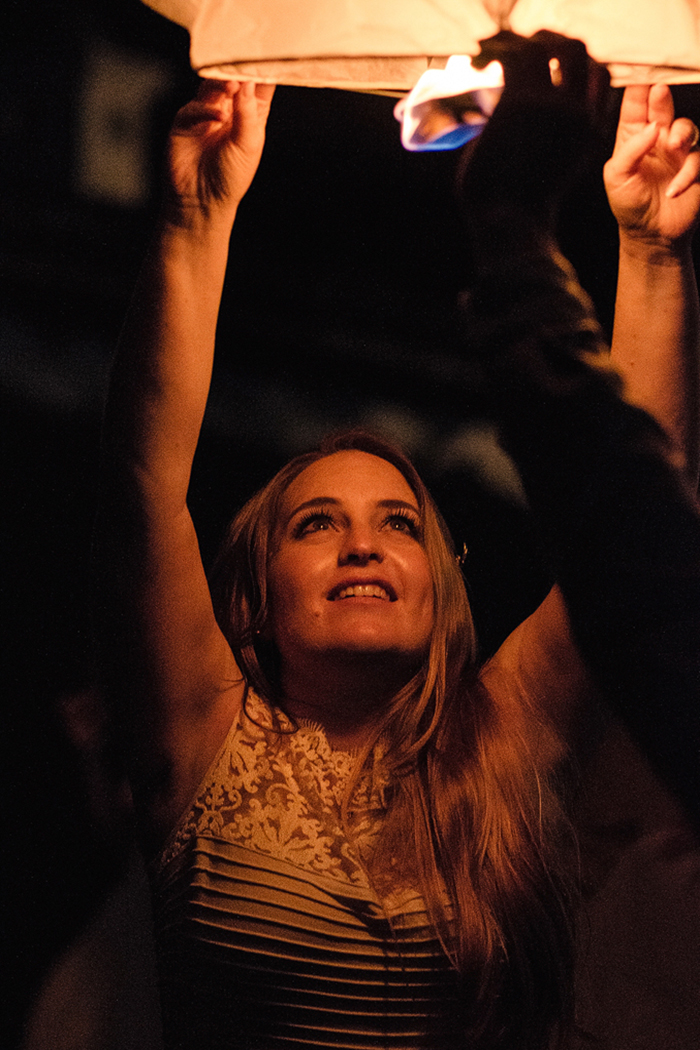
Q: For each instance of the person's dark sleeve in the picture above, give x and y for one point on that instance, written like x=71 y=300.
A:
x=622 y=530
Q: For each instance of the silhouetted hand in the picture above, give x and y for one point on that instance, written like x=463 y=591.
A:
x=540 y=134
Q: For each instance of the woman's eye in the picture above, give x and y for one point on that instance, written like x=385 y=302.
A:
x=317 y=522
x=403 y=523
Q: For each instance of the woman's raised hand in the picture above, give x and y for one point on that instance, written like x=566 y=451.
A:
x=214 y=149
x=652 y=177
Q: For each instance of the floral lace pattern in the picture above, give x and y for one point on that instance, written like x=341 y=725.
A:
x=280 y=794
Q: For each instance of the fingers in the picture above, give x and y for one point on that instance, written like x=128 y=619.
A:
x=219 y=100
x=245 y=101
x=211 y=104
x=645 y=103
x=630 y=152
x=253 y=95
x=635 y=105
x=642 y=105
x=684 y=179
x=264 y=92
x=250 y=109
x=646 y=121
x=682 y=140
x=210 y=89
x=661 y=104
x=525 y=64
x=571 y=60
x=683 y=135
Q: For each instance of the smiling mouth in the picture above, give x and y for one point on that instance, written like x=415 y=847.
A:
x=361 y=590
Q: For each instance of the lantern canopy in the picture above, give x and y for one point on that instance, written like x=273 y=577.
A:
x=386 y=45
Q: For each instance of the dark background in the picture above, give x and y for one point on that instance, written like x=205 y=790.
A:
x=345 y=265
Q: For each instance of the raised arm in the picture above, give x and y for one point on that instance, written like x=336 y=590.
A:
x=620 y=523
x=651 y=180
x=167 y=665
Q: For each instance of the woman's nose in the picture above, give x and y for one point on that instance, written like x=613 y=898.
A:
x=360 y=546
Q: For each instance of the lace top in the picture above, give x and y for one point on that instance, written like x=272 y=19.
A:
x=269 y=933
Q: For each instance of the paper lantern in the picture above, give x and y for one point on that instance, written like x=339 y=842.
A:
x=385 y=45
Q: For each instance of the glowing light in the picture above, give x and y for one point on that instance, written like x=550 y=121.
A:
x=449 y=106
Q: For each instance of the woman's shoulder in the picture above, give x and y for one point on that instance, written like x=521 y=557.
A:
x=183 y=761
x=540 y=679
x=243 y=738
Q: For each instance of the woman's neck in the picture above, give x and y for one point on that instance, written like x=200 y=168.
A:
x=345 y=696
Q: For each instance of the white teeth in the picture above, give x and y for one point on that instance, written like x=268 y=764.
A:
x=364 y=590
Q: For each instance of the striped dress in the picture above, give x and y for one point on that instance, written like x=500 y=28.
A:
x=269 y=934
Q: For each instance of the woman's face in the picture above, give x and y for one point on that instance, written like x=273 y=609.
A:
x=349 y=573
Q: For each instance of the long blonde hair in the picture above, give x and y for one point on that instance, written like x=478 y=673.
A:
x=489 y=833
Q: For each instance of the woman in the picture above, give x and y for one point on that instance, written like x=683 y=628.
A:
x=356 y=831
